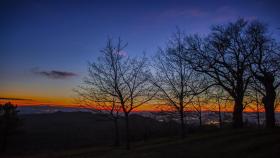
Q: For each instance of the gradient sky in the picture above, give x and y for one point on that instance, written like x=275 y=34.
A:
x=45 y=44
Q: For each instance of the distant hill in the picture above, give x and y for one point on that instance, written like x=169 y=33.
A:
x=207 y=116
x=39 y=109
x=67 y=130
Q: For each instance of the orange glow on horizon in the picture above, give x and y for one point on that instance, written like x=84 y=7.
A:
x=38 y=101
x=70 y=102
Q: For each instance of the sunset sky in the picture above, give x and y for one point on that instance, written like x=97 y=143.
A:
x=45 y=44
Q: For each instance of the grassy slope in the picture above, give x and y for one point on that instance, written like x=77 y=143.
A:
x=65 y=131
x=228 y=143
x=79 y=135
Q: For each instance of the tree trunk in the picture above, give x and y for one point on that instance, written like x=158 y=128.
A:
x=220 y=117
x=258 y=116
x=268 y=102
x=200 y=119
x=127 y=131
x=200 y=116
x=237 y=113
x=117 y=135
x=183 y=132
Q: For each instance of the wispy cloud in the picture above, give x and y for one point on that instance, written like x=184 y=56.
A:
x=228 y=13
x=24 y=99
x=183 y=12
x=54 y=74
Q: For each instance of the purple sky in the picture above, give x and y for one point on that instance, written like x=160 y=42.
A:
x=45 y=44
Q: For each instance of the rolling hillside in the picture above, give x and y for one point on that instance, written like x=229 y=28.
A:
x=245 y=143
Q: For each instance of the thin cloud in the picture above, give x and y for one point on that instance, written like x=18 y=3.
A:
x=55 y=74
x=3 y=98
x=183 y=12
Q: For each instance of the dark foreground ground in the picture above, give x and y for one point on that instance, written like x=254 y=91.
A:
x=48 y=142
x=244 y=143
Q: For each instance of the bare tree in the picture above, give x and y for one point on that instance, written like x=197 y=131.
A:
x=93 y=98
x=137 y=88
x=256 y=103
x=198 y=105
x=122 y=78
x=265 y=67
x=277 y=101
x=224 y=57
x=220 y=99
x=176 y=82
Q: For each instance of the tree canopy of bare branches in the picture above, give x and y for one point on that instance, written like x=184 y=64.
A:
x=224 y=57
x=265 y=67
x=120 y=80
x=176 y=82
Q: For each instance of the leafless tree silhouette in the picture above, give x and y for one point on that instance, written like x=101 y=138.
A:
x=198 y=105
x=219 y=99
x=93 y=98
x=256 y=102
x=176 y=82
x=117 y=76
x=265 y=67
x=224 y=57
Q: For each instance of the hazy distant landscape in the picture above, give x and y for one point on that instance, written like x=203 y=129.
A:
x=78 y=132
x=58 y=131
x=208 y=117
x=47 y=128
x=83 y=134
x=139 y=79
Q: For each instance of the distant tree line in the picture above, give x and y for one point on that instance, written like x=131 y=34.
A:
x=9 y=122
x=236 y=63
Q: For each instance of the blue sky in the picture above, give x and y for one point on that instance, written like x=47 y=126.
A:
x=62 y=35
